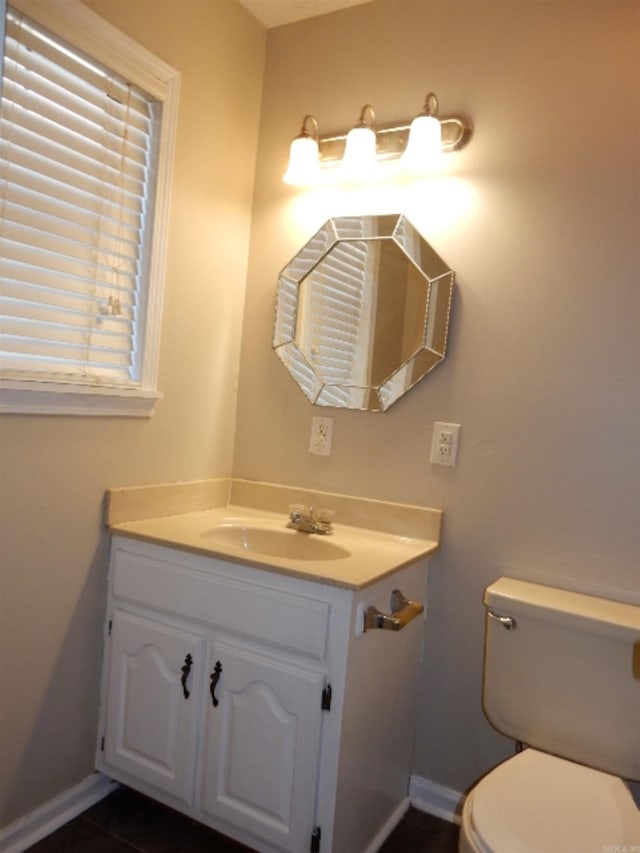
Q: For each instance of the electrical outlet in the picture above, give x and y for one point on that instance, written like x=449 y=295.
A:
x=444 y=444
x=321 y=436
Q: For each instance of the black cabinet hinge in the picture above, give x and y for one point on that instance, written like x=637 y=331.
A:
x=315 y=840
x=110 y=626
x=102 y=744
x=326 y=698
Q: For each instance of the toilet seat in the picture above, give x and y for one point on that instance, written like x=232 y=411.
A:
x=538 y=803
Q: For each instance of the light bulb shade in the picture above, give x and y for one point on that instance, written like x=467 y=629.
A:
x=359 y=158
x=304 y=163
x=424 y=146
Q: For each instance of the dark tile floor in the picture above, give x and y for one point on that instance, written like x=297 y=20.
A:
x=126 y=821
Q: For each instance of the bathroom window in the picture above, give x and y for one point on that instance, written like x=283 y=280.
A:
x=86 y=145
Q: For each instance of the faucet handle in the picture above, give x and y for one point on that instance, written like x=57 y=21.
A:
x=296 y=510
x=324 y=516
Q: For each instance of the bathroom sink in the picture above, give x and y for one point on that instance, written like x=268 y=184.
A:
x=273 y=542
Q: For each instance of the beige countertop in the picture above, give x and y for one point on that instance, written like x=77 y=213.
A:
x=354 y=556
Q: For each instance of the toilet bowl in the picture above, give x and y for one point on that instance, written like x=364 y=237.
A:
x=562 y=675
x=538 y=803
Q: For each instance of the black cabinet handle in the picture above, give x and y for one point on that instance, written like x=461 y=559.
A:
x=215 y=677
x=186 y=669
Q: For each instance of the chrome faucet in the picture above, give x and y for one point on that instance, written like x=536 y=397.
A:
x=310 y=521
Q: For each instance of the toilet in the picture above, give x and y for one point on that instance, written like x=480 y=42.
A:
x=561 y=676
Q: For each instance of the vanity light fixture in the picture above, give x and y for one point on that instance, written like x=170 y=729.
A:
x=417 y=145
x=304 y=163
x=359 y=159
x=424 y=145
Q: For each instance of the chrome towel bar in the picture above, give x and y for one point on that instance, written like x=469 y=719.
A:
x=402 y=612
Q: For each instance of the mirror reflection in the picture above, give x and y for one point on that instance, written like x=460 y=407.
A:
x=362 y=312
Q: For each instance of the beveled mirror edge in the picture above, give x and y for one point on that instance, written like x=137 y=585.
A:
x=314 y=391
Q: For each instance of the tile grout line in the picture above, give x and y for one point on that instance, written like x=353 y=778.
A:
x=102 y=830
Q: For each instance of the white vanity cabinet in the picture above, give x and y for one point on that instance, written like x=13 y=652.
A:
x=252 y=701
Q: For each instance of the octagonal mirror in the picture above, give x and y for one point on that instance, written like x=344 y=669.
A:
x=362 y=312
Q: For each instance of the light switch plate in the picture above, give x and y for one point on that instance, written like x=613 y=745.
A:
x=321 y=436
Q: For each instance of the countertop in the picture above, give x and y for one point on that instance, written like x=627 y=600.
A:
x=358 y=556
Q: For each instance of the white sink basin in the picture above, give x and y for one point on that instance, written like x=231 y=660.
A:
x=272 y=542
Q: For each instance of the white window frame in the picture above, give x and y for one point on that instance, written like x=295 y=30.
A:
x=88 y=32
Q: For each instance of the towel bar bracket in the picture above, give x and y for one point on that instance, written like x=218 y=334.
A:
x=402 y=612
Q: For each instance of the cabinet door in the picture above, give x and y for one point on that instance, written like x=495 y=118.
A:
x=262 y=742
x=154 y=683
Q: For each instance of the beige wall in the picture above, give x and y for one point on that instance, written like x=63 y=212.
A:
x=54 y=470
x=539 y=217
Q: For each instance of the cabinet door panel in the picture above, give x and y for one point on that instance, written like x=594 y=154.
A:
x=150 y=727
x=262 y=746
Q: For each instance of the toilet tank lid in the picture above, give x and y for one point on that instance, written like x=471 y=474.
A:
x=513 y=597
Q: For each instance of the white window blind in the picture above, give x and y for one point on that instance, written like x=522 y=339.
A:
x=79 y=149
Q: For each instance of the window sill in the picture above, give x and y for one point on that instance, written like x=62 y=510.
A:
x=48 y=398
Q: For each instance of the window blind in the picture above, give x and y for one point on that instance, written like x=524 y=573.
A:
x=77 y=149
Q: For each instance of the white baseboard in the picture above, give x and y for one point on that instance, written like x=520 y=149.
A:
x=44 y=820
x=435 y=799
x=389 y=826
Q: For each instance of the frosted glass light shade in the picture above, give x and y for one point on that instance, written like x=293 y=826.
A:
x=424 y=146
x=359 y=159
x=304 y=163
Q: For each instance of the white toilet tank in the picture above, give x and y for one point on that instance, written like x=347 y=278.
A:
x=565 y=678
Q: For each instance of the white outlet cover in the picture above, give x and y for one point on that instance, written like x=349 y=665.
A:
x=444 y=444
